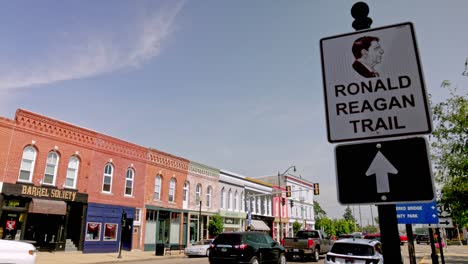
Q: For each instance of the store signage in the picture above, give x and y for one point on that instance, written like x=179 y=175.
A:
x=48 y=193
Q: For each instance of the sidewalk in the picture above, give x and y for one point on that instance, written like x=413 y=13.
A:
x=450 y=251
x=78 y=257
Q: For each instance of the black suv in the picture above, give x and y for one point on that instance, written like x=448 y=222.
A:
x=423 y=239
x=246 y=247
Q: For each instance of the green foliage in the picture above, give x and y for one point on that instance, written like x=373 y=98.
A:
x=449 y=143
x=343 y=226
x=318 y=211
x=370 y=229
x=326 y=224
x=296 y=226
x=216 y=225
x=348 y=215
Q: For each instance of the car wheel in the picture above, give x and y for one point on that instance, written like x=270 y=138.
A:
x=282 y=259
x=254 y=260
x=316 y=256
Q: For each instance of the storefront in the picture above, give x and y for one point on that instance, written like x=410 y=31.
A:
x=262 y=223
x=164 y=226
x=106 y=226
x=233 y=221
x=45 y=216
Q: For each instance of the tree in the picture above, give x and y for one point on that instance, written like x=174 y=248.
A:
x=216 y=225
x=296 y=226
x=370 y=229
x=326 y=224
x=343 y=226
x=449 y=143
x=318 y=211
x=348 y=215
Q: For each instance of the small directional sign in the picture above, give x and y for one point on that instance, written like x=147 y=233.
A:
x=417 y=213
x=383 y=172
x=444 y=222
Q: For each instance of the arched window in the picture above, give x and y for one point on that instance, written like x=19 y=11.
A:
x=107 y=181
x=72 y=172
x=27 y=164
x=229 y=200
x=198 y=193
x=186 y=191
x=129 y=182
x=157 y=188
x=172 y=187
x=51 y=168
x=208 y=196
x=234 y=207
x=223 y=200
x=242 y=203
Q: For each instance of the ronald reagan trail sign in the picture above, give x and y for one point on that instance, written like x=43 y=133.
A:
x=373 y=84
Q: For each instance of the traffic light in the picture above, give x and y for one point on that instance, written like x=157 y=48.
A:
x=291 y=202
x=288 y=191
x=360 y=11
x=316 y=189
x=283 y=201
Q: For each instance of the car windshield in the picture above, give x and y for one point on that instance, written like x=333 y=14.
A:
x=228 y=239
x=352 y=249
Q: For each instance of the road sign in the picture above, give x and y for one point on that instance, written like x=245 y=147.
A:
x=384 y=172
x=373 y=84
x=417 y=213
x=444 y=222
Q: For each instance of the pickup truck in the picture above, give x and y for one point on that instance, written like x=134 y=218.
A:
x=307 y=244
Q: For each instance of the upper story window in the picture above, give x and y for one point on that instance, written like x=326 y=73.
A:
x=157 y=188
x=223 y=199
x=72 y=172
x=107 y=181
x=242 y=203
x=129 y=182
x=27 y=164
x=186 y=191
x=234 y=207
x=172 y=186
x=51 y=168
x=229 y=200
x=208 y=196
x=198 y=193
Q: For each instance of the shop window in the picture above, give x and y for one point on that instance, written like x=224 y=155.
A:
x=172 y=186
x=107 y=181
x=157 y=188
x=198 y=193
x=72 y=172
x=93 y=231
x=208 y=196
x=129 y=182
x=136 y=221
x=110 y=232
x=51 y=168
x=27 y=164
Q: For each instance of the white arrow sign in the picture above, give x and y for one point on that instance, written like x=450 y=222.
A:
x=381 y=167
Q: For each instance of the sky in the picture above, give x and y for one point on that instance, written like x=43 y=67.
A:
x=235 y=85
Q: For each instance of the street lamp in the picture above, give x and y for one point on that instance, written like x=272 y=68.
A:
x=281 y=196
x=123 y=221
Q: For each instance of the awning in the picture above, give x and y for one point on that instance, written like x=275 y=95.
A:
x=259 y=225
x=41 y=206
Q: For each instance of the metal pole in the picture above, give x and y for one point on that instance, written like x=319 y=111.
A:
x=411 y=251
x=441 y=248
x=122 y=223
x=389 y=231
x=199 y=222
x=434 y=257
x=280 y=202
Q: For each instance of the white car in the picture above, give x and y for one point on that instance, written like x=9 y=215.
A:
x=17 y=252
x=201 y=248
x=356 y=251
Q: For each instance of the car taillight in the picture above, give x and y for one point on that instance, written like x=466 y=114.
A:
x=31 y=252
x=310 y=243
x=242 y=246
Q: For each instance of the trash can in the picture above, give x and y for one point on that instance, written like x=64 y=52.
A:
x=160 y=249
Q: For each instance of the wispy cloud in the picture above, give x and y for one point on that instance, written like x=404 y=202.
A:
x=96 y=53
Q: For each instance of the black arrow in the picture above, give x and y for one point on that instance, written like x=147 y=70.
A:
x=445 y=223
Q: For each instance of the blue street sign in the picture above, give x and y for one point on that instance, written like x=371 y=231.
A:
x=417 y=213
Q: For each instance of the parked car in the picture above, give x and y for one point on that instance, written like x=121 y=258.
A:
x=423 y=238
x=355 y=250
x=246 y=247
x=17 y=252
x=375 y=236
x=201 y=248
x=307 y=244
x=403 y=239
